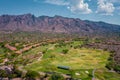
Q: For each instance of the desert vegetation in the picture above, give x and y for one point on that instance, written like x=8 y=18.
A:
x=60 y=58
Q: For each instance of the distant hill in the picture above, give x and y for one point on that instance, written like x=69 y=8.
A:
x=58 y=24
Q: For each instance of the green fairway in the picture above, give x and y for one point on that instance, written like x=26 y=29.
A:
x=79 y=60
x=75 y=59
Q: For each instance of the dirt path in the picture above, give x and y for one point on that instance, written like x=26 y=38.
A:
x=93 y=74
x=39 y=59
x=26 y=48
x=21 y=69
x=12 y=48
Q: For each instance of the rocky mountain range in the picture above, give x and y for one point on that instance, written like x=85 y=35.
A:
x=59 y=24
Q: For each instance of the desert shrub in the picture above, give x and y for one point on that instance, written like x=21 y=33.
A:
x=78 y=46
x=44 y=51
x=17 y=72
x=12 y=76
x=56 y=77
x=13 y=55
x=8 y=63
x=117 y=68
x=112 y=64
x=1 y=60
x=32 y=74
x=97 y=40
x=60 y=44
x=3 y=73
x=65 y=51
x=109 y=66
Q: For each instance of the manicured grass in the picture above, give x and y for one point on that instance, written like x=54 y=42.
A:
x=103 y=74
x=78 y=59
x=75 y=59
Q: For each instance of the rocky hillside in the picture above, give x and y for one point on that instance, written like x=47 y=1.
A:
x=29 y=22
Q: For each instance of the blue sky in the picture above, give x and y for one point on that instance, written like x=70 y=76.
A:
x=95 y=10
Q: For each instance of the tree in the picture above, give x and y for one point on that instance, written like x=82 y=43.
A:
x=117 y=68
x=65 y=51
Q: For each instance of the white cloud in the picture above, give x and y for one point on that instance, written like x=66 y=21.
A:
x=57 y=2
x=79 y=6
x=117 y=6
x=75 y=6
x=105 y=7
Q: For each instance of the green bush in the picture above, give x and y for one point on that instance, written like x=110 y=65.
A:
x=17 y=72
x=65 y=51
x=56 y=77
x=3 y=73
x=112 y=64
x=117 y=68
x=32 y=74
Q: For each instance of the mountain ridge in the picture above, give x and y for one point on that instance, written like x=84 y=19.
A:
x=58 y=24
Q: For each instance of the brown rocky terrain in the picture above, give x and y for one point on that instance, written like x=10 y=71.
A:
x=114 y=48
x=58 y=24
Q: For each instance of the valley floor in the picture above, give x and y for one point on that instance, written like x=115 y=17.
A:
x=66 y=58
